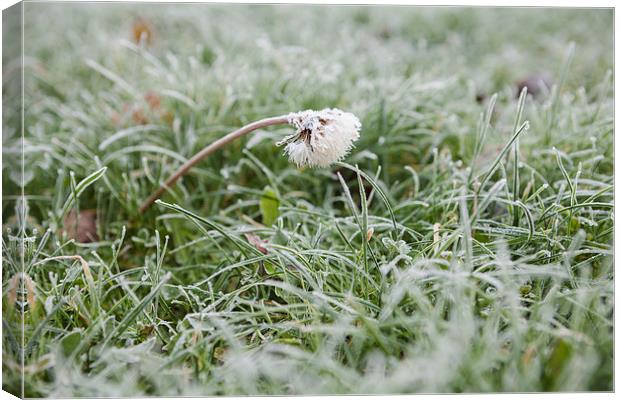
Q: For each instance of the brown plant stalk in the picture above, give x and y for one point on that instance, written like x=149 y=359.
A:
x=202 y=154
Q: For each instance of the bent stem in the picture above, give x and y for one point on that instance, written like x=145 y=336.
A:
x=202 y=154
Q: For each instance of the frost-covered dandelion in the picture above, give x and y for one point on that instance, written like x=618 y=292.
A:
x=321 y=138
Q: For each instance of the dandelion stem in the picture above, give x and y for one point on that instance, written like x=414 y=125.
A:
x=202 y=154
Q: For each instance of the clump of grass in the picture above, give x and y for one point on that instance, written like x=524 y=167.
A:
x=452 y=238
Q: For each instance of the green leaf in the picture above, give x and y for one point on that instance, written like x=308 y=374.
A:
x=207 y=56
x=69 y=343
x=555 y=364
x=269 y=204
x=270 y=268
x=279 y=238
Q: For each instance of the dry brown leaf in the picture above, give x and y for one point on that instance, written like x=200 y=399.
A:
x=153 y=100
x=369 y=234
x=256 y=242
x=142 y=31
x=536 y=84
x=84 y=230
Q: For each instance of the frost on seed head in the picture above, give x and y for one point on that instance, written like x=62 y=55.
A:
x=322 y=137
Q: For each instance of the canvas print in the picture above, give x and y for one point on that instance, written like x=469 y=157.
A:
x=242 y=199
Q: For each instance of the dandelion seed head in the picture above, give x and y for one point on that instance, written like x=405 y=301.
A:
x=321 y=138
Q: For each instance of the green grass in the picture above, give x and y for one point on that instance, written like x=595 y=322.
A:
x=428 y=261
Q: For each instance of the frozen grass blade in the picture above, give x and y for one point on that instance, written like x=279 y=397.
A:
x=485 y=177
x=78 y=189
x=515 y=171
x=375 y=186
x=484 y=123
x=133 y=314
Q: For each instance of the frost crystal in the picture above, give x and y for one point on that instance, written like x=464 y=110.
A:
x=322 y=137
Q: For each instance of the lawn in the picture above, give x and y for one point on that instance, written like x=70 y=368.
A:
x=464 y=245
